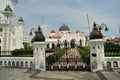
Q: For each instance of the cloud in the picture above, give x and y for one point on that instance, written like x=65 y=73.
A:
x=74 y=15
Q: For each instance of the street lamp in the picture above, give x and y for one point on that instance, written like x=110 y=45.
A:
x=102 y=26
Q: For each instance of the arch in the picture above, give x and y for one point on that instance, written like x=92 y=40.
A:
x=13 y=64
x=58 y=45
x=48 y=45
x=53 y=45
x=115 y=64
x=41 y=65
x=0 y=63
x=31 y=64
x=108 y=64
x=5 y=63
x=0 y=48
x=21 y=64
x=65 y=44
x=26 y=64
x=73 y=43
x=9 y=64
x=17 y=64
x=80 y=42
x=94 y=65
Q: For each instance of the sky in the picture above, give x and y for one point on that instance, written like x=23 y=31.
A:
x=71 y=12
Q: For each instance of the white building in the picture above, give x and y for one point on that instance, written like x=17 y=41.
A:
x=73 y=39
x=11 y=33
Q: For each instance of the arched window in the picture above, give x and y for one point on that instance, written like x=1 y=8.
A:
x=5 y=63
x=0 y=63
x=26 y=64
x=108 y=64
x=48 y=46
x=94 y=65
x=31 y=64
x=9 y=64
x=115 y=64
x=65 y=44
x=21 y=64
x=80 y=42
x=13 y=64
x=41 y=65
x=17 y=64
x=53 y=45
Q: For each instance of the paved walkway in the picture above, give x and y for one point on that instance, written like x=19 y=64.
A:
x=28 y=74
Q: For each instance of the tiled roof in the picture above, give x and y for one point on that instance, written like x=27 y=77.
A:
x=56 y=35
x=115 y=40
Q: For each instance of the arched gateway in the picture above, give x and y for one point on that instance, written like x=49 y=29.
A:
x=72 y=43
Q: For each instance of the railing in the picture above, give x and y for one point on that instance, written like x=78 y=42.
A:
x=16 y=53
x=5 y=21
x=112 y=52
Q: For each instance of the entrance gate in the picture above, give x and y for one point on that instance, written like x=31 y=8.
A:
x=68 y=62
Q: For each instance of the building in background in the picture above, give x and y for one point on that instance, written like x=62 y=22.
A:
x=11 y=33
x=65 y=38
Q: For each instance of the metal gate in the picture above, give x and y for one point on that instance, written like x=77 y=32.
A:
x=68 y=62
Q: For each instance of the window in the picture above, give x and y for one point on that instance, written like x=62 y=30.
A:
x=115 y=64
x=1 y=29
x=98 y=47
x=0 y=17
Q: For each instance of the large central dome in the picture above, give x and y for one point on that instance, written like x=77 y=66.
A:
x=64 y=28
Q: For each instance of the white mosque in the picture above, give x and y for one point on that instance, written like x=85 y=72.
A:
x=11 y=37
x=11 y=33
x=64 y=35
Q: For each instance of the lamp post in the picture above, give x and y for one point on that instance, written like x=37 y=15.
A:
x=101 y=26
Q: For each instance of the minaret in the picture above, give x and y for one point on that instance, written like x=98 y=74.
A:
x=39 y=46
x=96 y=49
x=6 y=25
x=19 y=33
x=7 y=10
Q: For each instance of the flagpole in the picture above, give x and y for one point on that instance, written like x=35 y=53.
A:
x=88 y=23
x=119 y=29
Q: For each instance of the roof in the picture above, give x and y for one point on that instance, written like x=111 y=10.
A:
x=39 y=37
x=64 y=28
x=95 y=34
x=21 y=19
x=8 y=8
x=56 y=35
x=115 y=40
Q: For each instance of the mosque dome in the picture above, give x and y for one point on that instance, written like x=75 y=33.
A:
x=64 y=28
x=52 y=31
x=95 y=34
x=39 y=37
x=78 y=31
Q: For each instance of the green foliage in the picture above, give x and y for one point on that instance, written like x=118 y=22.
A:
x=22 y=53
x=54 y=57
x=48 y=50
x=112 y=50
x=84 y=52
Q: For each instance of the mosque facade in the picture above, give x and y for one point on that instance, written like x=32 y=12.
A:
x=65 y=38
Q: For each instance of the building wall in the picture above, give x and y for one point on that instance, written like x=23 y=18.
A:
x=19 y=62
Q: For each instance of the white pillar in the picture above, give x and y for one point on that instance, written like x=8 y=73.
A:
x=97 y=54
x=39 y=55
